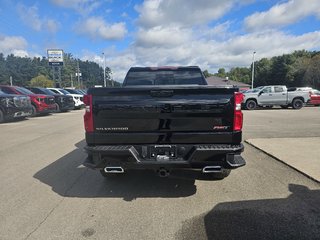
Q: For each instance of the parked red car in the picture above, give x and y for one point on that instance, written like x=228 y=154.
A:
x=41 y=104
x=315 y=97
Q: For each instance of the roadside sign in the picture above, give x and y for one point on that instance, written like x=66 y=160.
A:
x=55 y=57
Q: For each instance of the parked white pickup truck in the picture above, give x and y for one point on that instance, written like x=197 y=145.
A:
x=269 y=96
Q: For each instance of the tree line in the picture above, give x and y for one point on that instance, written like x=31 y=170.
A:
x=297 y=69
x=25 y=71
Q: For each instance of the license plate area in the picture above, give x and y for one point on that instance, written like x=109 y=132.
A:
x=163 y=152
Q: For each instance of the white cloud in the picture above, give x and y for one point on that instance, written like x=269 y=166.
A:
x=51 y=25
x=13 y=45
x=119 y=63
x=282 y=14
x=178 y=33
x=17 y=46
x=96 y=28
x=31 y=18
x=81 y=6
x=163 y=36
x=124 y=15
x=20 y=53
x=180 y=12
x=235 y=51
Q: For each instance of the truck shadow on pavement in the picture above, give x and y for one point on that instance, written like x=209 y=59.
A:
x=294 y=217
x=67 y=177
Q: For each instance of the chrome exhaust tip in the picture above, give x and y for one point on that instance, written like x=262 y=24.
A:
x=113 y=170
x=212 y=169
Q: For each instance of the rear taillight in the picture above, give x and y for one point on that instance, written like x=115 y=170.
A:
x=238 y=117
x=88 y=118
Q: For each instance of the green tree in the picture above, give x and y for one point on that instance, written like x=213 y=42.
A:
x=41 y=81
x=221 y=73
x=312 y=74
x=207 y=74
x=240 y=74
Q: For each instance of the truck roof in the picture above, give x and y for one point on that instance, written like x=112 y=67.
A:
x=165 y=68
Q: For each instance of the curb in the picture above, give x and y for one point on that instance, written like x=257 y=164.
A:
x=279 y=160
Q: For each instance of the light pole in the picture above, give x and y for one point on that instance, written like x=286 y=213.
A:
x=104 y=70
x=111 y=76
x=78 y=73
x=252 y=75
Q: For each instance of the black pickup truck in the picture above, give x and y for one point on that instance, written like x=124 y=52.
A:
x=165 y=119
x=14 y=106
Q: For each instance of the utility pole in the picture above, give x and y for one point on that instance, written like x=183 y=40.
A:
x=252 y=75
x=111 y=73
x=78 y=73
x=104 y=70
x=59 y=71
x=10 y=80
x=71 y=80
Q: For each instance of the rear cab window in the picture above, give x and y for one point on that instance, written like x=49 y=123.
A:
x=278 y=89
x=164 y=76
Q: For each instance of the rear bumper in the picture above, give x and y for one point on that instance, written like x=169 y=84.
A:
x=313 y=102
x=177 y=157
x=43 y=109
x=67 y=106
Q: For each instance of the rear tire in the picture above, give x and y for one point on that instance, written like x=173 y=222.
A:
x=251 y=104
x=1 y=117
x=57 y=108
x=297 y=104
x=33 y=111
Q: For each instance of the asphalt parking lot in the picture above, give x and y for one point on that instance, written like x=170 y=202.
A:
x=47 y=194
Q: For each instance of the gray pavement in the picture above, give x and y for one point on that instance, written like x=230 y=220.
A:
x=46 y=193
x=302 y=154
x=282 y=123
x=290 y=136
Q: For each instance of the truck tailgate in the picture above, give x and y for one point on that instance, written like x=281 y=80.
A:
x=173 y=114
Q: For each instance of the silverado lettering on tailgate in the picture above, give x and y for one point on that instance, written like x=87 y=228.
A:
x=112 y=129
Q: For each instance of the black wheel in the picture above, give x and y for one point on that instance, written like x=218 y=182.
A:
x=57 y=107
x=33 y=111
x=251 y=104
x=1 y=117
x=284 y=106
x=297 y=104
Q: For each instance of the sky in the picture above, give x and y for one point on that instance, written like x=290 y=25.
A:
x=211 y=34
